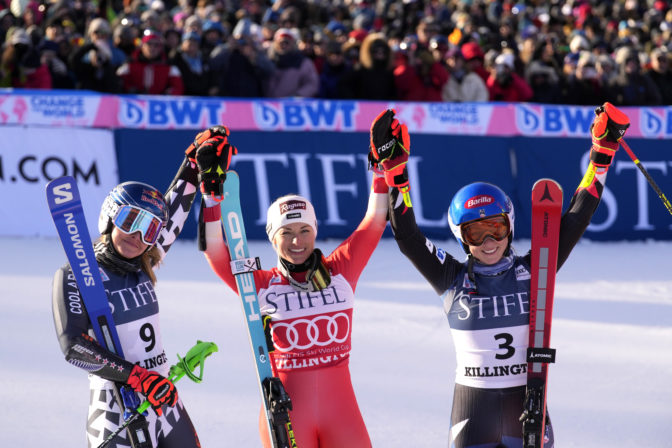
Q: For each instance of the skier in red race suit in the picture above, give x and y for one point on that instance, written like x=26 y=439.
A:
x=309 y=298
x=486 y=297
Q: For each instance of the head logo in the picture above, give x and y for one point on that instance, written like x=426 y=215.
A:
x=289 y=206
x=479 y=201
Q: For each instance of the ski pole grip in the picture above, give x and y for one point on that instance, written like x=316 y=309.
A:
x=195 y=357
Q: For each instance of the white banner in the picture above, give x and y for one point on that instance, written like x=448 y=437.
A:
x=31 y=157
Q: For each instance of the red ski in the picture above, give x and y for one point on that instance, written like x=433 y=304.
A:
x=546 y=215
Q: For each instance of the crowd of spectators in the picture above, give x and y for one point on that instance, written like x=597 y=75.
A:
x=580 y=52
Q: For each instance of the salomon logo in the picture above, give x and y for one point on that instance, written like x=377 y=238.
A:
x=62 y=193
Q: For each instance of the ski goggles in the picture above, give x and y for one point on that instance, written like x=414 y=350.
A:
x=130 y=219
x=474 y=233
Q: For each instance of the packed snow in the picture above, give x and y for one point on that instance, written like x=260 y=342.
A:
x=611 y=385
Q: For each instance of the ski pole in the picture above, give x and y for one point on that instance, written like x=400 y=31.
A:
x=194 y=358
x=648 y=177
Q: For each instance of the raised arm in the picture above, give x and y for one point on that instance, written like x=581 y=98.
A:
x=213 y=157
x=182 y=190
x=607 y=130
x=390 y=149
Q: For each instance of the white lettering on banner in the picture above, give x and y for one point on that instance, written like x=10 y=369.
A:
x=308 y=115
x=52 y=106
x=643 y=189
x=259 y=161
x=302 y=177
x=459 y=113
x=553 y=120
x=331 y=187
x=173 y=113
x=416 y=197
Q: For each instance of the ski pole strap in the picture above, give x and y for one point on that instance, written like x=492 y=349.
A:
x=540 y=354
x=245 y=265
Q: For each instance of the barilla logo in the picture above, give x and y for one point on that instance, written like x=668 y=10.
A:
x=478 y=201
x=292 y=205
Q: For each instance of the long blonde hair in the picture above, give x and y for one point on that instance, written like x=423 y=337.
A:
x=148 y=260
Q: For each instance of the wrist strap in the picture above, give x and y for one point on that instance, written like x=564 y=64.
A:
x=211 y=214
x=600 y=158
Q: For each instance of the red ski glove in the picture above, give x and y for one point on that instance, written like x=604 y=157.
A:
x=390 y=147
x=607 y=129
x=158 y=389
x=222 y=131
x=213 y=157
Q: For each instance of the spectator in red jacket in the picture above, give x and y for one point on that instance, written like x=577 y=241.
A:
x=420 y=79
x=504 y=84
x=148 y=71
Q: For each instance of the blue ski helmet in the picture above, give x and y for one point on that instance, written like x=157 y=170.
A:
x=476 y=201
x=150 y=210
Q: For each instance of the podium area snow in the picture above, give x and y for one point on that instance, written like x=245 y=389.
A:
x=612 y=325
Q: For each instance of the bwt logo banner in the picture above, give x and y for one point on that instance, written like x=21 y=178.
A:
x=548 y=121
x=656 y=122
x=305 y=115
x=172 y=114
x=574 y=121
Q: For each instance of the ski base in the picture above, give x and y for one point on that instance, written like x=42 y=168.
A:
x=546 y=216
x=275 y=399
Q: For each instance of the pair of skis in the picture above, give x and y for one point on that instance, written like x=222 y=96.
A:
x=546 y=216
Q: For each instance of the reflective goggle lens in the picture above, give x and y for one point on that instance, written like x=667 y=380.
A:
x=474 y=233
x=130 y=219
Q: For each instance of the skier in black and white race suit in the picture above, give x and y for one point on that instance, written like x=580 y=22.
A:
x=486 y=298
x=137 y=227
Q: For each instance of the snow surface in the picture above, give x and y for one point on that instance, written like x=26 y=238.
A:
x=611 y=385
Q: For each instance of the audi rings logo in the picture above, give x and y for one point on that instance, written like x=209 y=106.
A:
x=302 y=334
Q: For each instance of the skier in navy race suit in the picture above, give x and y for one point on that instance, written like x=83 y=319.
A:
x=138 y=225
x=486 y=297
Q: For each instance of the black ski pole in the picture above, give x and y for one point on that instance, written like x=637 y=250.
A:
x=646 y=174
